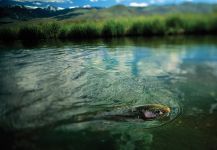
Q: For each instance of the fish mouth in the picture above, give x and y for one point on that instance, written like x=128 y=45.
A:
x=167 y=110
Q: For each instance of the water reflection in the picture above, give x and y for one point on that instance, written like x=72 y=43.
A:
x=52 y=89
x=138 y=56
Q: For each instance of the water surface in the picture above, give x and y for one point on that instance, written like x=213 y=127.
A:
x=51 y=93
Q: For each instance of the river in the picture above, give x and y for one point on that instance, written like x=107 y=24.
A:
x=51 y=93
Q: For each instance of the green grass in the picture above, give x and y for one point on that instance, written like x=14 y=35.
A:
x=8 y=34
x=113 y=29
x=155 y=25
x=83 y=31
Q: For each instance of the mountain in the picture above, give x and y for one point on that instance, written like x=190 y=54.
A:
x=33 y=4
x=124 y=11
x=97 y=3
x=12 y=13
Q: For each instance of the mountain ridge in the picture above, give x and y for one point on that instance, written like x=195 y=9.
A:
x=10 y=13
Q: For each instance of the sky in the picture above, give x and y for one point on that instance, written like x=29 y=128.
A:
x=108 y=3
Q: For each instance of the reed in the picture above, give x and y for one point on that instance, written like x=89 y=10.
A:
x=83 y=31
x=156 y=25
x=113 y=29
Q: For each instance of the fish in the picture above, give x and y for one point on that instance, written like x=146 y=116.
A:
x=144 y=112
x=151 y=111
x=128 y=114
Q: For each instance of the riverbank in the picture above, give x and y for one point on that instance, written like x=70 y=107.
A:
x=155 y=25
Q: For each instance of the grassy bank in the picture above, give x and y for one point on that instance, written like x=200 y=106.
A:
x=140 y=26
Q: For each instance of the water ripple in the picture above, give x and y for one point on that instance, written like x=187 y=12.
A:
x=60 y=86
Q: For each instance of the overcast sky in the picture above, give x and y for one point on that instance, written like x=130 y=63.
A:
x=106 y=3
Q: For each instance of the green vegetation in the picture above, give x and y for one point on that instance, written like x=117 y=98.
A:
x=82 y=31
x=138 y=26
x=113 y=29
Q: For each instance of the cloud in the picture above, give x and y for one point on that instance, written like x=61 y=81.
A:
x=86 y=6
x=94 y=0
x=134 y=4
x=60 y=8
x=31 y=7
x=37 y=3
x=71 y=7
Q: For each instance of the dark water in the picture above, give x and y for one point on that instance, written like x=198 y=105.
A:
x=55 y=95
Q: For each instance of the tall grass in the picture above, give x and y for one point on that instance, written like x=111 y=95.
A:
x=83 y=31
x=40 y=31
x=52 y=30
x=113 y=29
x=31 y=33
x=8 y=34
x=138 y=26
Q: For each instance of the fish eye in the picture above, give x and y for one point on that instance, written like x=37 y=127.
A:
x=157 y=111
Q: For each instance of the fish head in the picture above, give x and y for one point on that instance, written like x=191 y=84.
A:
x=153 y=111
